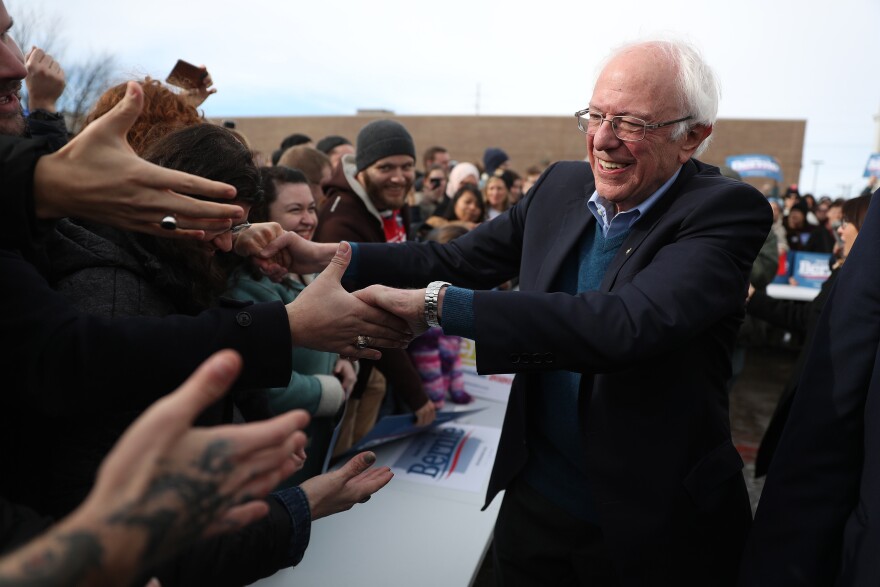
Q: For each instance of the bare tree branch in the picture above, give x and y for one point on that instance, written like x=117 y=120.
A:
x=86 y=78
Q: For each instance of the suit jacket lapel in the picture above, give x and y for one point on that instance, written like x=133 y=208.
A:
x=575 y=219
x=645 y=225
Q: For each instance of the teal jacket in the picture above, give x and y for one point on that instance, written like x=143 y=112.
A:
x=312 y=386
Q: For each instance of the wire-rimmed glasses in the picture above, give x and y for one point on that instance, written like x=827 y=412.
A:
x=625 y=128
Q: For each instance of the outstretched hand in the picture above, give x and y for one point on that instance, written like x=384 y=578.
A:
x=302 y=255
x=408 y=304
x=45 y=80
x=176 y=483
x=195 y=97
x=251 y=242
x=75 y=182
x=325 y=317
x=354 y=482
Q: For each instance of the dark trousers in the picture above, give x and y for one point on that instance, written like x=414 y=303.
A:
x=537 y=543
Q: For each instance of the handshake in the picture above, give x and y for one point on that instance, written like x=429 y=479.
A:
x=325 y=316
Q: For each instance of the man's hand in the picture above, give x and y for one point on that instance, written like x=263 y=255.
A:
x=339 y=490
x=170 y=483
x=305 y=256
x=45 y=80
x=408 y=304
x=195 y=97
x=325 y=317
x=75 y=181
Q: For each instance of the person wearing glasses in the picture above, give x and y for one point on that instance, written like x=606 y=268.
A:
x=615 y=456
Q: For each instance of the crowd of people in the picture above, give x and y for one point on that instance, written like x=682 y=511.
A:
x=189 y=323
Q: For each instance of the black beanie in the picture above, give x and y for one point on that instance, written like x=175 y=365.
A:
x=330 y=142
x=380 y=139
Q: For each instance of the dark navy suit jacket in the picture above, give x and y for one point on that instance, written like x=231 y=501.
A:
x=654 y=345
x=816 y=522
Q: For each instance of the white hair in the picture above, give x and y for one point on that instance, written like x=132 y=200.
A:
x=697 y=87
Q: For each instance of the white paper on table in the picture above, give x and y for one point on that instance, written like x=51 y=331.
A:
x=452 y=456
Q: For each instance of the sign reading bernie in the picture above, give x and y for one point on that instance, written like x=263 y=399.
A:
x=756 y=165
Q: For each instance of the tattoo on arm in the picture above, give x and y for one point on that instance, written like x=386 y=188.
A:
x=67 y=560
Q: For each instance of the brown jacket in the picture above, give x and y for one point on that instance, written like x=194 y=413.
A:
x=347 y=214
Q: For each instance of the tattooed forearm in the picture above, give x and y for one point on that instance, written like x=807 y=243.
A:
x=65 y=559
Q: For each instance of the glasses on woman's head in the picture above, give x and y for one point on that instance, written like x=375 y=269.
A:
x=625 y=128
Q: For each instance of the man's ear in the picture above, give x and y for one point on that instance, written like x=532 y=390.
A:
x=692 y=140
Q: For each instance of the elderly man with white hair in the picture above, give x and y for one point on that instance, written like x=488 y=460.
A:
x=616 y=456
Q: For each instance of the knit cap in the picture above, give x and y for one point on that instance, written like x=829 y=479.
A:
x=493 y=158
x=380 y=139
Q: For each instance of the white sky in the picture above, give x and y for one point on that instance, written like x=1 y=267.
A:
x=787 y=59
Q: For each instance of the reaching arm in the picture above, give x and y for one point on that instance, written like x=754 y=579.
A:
x=165 y=485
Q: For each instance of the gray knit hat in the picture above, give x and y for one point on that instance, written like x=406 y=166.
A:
x=380 y=139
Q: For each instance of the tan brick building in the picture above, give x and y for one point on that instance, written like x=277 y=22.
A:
x=531 y=140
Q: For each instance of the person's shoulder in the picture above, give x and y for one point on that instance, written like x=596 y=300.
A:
x=708 y=178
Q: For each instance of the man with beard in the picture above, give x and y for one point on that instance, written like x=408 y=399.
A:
x=366 y=199
x=12 y=71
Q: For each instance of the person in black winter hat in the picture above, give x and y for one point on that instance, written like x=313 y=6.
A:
x=335 y=146
x=380 y=139
x=494 y=158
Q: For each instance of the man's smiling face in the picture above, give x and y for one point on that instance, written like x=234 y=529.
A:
x=639 y=83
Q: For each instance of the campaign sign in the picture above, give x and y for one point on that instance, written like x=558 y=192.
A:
x=810 y=269
x=453 y=455
x=756 y=165
x=872 y=167
x=492 y=387
x=783 y=270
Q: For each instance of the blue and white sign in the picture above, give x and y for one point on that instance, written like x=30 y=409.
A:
x=810 y=269
x=872 y=167
x=756 y=165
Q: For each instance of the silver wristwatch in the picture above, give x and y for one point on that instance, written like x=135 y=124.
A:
x=432 y=294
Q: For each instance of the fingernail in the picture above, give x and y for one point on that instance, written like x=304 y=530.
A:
x=342 y=248
x=369 y=458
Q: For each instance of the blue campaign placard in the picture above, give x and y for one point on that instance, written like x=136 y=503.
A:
x=810 y=269
x=756 y=165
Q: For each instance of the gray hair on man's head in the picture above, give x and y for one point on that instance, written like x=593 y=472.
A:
x=697 y=86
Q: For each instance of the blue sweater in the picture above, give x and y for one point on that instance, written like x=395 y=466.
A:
x=557 y=463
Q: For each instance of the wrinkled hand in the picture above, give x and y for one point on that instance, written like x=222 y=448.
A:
x=195 y=97
x=408 y=304
x=325 y=317
x=75 y=182
x=196 y=481
x=426 y=414
x=344 y=371
x=304 y=256
x=352 y=483
x=45 y=80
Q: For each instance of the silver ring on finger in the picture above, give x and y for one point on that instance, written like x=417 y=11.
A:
x=169 y=222
x=361 y=342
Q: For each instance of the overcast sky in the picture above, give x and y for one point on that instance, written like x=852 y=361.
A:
x=780 y=59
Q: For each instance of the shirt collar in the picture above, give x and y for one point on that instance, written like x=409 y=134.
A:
x=604 y=210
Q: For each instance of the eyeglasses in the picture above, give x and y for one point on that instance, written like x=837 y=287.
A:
x=625 y=128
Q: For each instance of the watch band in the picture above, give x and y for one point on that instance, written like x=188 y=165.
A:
x=432 y=295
